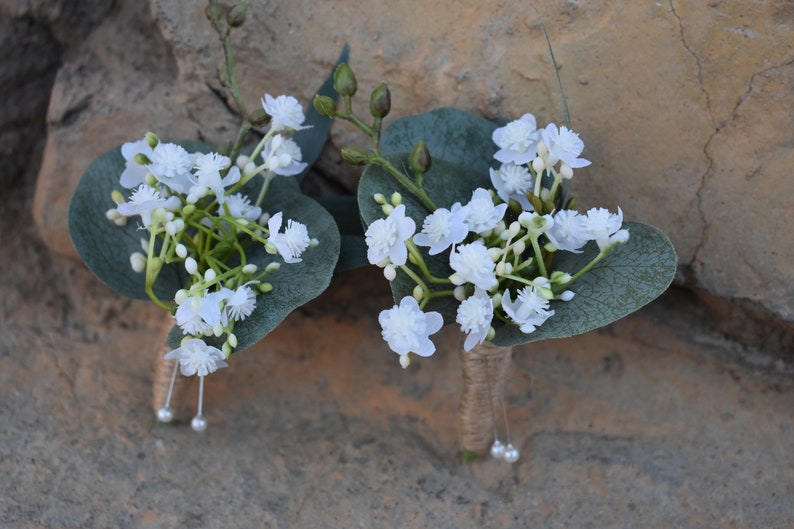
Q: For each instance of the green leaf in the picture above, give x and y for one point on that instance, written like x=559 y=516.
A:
x=450 y=134
x=105 y=248
x=630 y=276
x=312 y=140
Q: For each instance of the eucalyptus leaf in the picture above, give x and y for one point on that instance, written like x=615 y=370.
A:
x=449 y=134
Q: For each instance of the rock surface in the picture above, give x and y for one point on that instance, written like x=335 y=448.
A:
x=685 y=111
x=652 y=422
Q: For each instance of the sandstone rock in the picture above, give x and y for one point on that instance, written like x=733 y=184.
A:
x=684 y=109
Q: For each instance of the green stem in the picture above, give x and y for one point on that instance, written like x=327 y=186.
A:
x=404 y=180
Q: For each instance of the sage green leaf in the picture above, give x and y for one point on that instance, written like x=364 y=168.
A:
x=450 y=134
x=106 y=248
x=629 y=277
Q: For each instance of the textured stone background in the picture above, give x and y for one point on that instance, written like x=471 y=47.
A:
x=655 y=421
x=685 y=108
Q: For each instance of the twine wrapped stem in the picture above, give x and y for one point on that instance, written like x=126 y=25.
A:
x=484 y=373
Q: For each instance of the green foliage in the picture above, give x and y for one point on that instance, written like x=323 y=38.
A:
x=105 y=248
x=630 y=276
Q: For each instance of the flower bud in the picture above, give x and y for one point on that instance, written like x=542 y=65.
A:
x=141 y=159
x=264 y=288
x=387 y=209
x=538 y=165
x=272 y=267
x=567 y=295
x=325 y=105
x=191 y=265
x=396 y=199
x=237 y=14
x=519 y=247
x=181 y=250
x=459 y=293
x=209 y=275
x=355 y=155
x=232 y=340
x=151 y=139
x=259 y=118
x=405 y=361
x=389 y=272
x=181 y=296
x=214 y=11
x=117 y=197
x=419 y=160
x=226 y=349
x=379 y=198
x=249 y=269
x=188 y=210
x=380 y=101
x=138 y=262
x=565 y=171
x=418 y=293
x=344 y=80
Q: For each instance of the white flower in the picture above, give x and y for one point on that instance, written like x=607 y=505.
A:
x=517 y=141
x=134 y=173
x=208 y=174
x=568 y=232
x=188 y=317
x=286 y=112
x=283 y=156
x=197 y=358
x=386 y=238
x=240 y=207
x=483 y=214
x=529 y=310
x=290 y=244
x=240 y=303
x=472 y=263
x=564 y=145
x=513 y=181
x=407 y=329
x=171 y=165
x=144 y=201
x=443 y=228
x=199 y=315
x=475 y=314
x=599 y=224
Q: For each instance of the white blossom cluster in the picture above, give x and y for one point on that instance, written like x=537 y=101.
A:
x=496 y=242
x=196 y=215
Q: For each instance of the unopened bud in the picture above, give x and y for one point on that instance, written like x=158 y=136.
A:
x=138 y=262
x=355 y=155
x=117 y=197
x=214 y=11
x=396 y=199
x=191 y=265
x=380 y=101
x=181 y=250
x=389 y=272
x=565 y=171
x=379 y=198
x=259 y=118
x=419 y=159
x=418 y=293
x=232 y=340
x=237 y=14
x=459 y=293
x=264 y=288
x=344 y=80
x=272 y=267
x=188 y=210
x=209 y=275
x=141 y=159
x=325 y=105
x=538 y=165
x=181 y=296
x=405 y=361
x=249 y=269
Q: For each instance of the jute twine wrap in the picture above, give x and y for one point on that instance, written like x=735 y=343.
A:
x=163 y=370
x=484 y=373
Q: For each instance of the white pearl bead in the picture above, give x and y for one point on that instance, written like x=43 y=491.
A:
x=511 y=454
x=497 y=449
x=199 y=423
x=165 y=415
